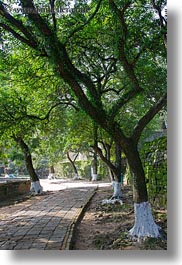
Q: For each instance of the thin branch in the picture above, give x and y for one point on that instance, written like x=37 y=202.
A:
x=120 y=14
x=122 y=101
x=117 y=92
x=123 y=58
x=46 y=117
x=76 y=157
x=163 y=21
x=138 y=55
x=72 y=105
x=84 y=24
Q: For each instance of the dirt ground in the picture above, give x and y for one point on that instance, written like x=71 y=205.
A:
x=105 y=227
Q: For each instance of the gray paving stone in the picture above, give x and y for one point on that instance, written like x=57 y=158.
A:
x=45 y=223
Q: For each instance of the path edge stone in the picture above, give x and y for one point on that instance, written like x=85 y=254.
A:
x=68 y=240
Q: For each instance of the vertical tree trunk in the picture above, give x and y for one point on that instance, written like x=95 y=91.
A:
x=51 y=169
x=51 y=172
x=118 y=161
x=107 y=148
x=139 y=184
x=94 y=168
x=117 y=175
x=35 y=184
x=144 y=225
x=94 y=165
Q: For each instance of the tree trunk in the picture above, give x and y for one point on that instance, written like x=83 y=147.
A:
x=117 y=174
x=51 y=169
x=94 y=168
x=118 y=161
x=107 y=148
x=94 y=165
x=51 y=172
x=73 y=165
x=35 y=184
x=139 y=185
x=144 y=225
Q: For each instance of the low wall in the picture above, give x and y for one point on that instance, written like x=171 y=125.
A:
x=13 y=188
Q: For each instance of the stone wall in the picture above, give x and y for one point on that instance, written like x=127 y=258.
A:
x=13 y=188
x=154 y=158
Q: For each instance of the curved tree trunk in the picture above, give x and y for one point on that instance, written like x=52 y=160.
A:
x=115 y=170
x=35 y=184
x=73 y=165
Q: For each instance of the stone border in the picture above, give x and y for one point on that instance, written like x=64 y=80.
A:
x=68 y=240
x=13 y=188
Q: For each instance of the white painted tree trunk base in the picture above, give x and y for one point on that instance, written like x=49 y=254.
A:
x=117 y=190
x=76 y=177
x=112 y=201
x=36 y=187
x=117 y=194
x=94 y=177
x=144 y=223
x=51 y=176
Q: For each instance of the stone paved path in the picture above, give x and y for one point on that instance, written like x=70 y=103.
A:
x=44 y=222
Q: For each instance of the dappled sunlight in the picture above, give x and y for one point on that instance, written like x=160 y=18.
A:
x=45 y=221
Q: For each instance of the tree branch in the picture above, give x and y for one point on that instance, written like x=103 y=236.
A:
x=129 y=68
x=30 y=38
x=148 y=117
x=122 y=101
x=163 y=21
x=39 y=22
x=46 y=117
x=29 y=42
x=53 y=13
x=104 y=159
x=84 y=24
x=70 y=74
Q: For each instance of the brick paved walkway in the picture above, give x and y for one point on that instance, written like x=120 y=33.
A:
x=44 y=222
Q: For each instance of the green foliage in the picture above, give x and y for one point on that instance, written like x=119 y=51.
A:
x=154 y=158
x=101 y=54
x=65 y=170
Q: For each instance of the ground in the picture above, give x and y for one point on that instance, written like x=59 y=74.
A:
x=102 y=227
x=105 y=227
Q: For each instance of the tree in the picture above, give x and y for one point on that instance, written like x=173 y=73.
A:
x=20 y=115
x=72 y=161
x=77 y=137
x=140 y=55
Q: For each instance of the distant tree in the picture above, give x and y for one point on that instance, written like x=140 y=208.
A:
x=23 y=110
